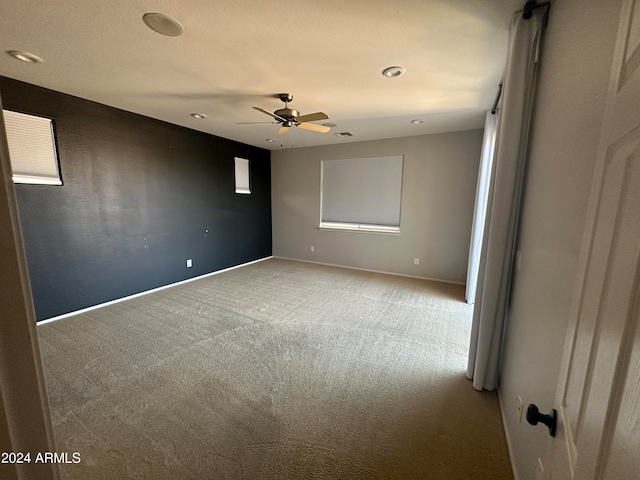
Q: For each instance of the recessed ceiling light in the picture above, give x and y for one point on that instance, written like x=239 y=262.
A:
x=417 y=121
x=391 y=72
x=162 y=24
x=271 y=140
x=199 y=116
x=25 y=56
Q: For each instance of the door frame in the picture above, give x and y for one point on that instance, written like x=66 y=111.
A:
x=25 y=419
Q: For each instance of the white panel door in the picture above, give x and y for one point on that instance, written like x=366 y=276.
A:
x=598 y=398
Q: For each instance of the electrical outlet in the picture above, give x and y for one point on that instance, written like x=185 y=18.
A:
x=312 y=248
x=519 y=409
x=189 y=263
x=416 y=261
x=539 y=470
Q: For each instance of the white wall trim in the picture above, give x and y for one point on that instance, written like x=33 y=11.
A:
x=370 y=270
x=129 y=297
x=506 y=436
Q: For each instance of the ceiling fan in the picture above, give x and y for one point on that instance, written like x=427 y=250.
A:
x=288 y=117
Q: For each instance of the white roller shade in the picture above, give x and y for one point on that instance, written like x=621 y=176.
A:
x=31 y=148
x=242 y=175
x=362 y=191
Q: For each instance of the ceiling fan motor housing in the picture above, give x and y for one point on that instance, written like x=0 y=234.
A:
x=288 y=113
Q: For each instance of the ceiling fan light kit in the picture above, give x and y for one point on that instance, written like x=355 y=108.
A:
x=289 y=117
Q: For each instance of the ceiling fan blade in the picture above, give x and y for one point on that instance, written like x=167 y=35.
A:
x=312 y=117
x=283 y=130
x=270 y=114
x=314 y=128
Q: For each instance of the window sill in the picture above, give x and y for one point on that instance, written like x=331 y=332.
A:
x=349 y=227
x=36 y=180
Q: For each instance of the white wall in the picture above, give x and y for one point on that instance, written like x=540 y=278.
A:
x=438 y=194
x=574 y=74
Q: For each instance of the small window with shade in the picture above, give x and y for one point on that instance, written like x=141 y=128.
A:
x=242 y=175
x=32 y=148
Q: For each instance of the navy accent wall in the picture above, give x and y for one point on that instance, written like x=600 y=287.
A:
x=139 y=198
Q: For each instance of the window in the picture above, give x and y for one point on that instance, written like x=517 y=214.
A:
x=362 y=194
x=242 y=175
x=31 y=148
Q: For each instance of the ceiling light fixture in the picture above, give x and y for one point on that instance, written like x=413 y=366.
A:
x=392 y=72
x=25 y=56
x=417 y=121
x=199 y=116
x=271 y=140
x=162 y=24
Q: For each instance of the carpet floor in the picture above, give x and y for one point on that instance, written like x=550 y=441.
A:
x=276 y=370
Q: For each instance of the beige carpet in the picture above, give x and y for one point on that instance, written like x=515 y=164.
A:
x=277 y=370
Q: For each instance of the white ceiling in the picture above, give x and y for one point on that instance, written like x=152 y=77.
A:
x=236 y=54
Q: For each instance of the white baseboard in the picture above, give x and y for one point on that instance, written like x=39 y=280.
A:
x=94 y=307
x=506 y=435
x=146 y=292
x=370 y=270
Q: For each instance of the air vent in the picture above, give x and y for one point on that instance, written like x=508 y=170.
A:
x=344 y=134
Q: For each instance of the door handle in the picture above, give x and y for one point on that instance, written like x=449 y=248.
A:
x=534 y=416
